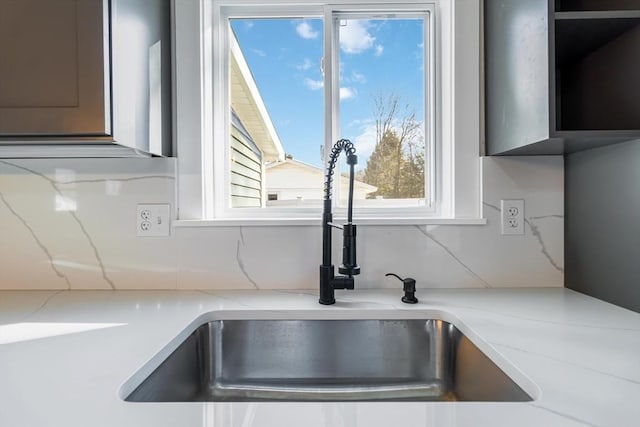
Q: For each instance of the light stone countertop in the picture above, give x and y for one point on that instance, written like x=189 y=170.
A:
x=66 y=357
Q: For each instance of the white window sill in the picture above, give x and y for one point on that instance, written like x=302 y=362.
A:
x=259 y=222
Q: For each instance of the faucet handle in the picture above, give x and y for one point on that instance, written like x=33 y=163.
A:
x=342 y=283
x=409 y=287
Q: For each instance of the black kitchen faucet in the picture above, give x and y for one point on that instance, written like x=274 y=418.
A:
x=349 y=268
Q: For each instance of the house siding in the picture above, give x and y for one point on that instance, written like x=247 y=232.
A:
x=246 y=168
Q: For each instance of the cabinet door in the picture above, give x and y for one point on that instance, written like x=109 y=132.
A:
x=54 y=78
x=516 y=73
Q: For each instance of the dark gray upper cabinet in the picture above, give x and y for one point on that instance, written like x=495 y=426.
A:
x=53 y=56
x=86 y=72
x=561 y=75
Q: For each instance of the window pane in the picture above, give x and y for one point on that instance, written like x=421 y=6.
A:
x=277 y=109
x=382 y=107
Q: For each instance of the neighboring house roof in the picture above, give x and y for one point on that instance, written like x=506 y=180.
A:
x=249 y=107
x=313 y=170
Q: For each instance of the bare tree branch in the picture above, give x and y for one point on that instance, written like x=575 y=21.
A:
x=397 y=135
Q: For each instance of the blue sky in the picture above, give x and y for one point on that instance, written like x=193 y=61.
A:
x=376 y=56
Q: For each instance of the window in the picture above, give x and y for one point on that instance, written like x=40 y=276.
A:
x=284 y=80
x=297 y=83
x=385 y=84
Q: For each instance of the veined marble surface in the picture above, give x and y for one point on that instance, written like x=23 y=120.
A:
x=70 y=224
x=65 y=356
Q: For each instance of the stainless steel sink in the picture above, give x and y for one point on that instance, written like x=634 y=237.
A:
x=327 y=360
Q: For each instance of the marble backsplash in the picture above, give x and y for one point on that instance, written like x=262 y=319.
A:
x=70 y=224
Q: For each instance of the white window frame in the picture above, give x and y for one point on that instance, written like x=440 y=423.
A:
x=457 y=102
x=431 y=80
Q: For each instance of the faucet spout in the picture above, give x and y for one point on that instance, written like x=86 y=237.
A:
x=349 y=267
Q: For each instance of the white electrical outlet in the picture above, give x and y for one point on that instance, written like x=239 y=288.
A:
x=512 y=214
x=153 y=220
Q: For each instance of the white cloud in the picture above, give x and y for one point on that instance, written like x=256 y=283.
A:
x=313 y=84
x=306 y=64
x=306 y=31
x=366 y=142
x=379 y=50
x=347 y=93
x=354 y=36
x=358 y=78
x=258 y=52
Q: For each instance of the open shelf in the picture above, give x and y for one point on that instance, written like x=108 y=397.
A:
x=584 y=5
x=597 y=64
x=576 y=37
x=590 y=94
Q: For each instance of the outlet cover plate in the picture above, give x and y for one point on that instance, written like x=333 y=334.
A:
x=153 y=220
x=512 y=215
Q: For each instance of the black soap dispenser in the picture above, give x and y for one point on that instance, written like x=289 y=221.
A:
x=409 y=287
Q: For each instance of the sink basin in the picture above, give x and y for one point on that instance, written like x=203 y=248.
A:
x=327 y=360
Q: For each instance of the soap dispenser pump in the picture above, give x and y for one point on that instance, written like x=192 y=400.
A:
x=409 y=287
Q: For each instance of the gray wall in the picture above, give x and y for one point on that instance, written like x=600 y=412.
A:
x=603 y=223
